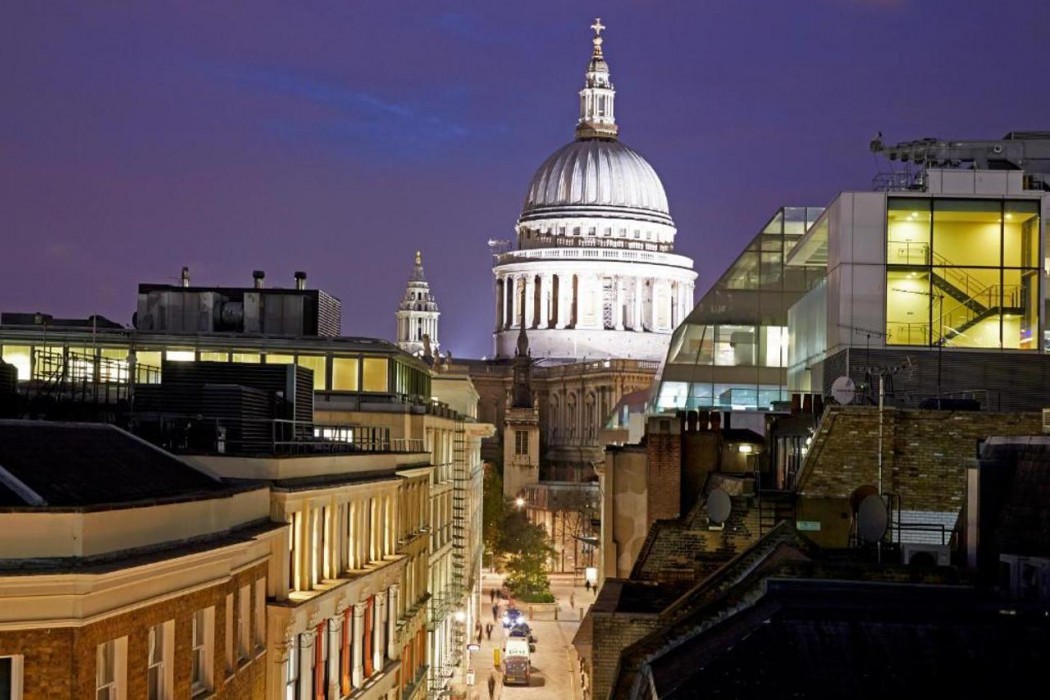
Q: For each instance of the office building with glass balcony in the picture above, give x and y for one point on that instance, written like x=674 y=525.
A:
x=936 y=287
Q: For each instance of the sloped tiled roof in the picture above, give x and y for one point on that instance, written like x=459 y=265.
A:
x=77 y=465
x=826 y=639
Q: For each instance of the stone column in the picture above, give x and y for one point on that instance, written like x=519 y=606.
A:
x=357 y=671
x=564 y=300
x=636 y=303
x=545 y=301
x=658 y=300
x=618 y=300
x=393 y=646
x=507 y=283
x=306 y=642
x=530 y=300
x=499 y=304
x=515 y=301
x=334 y=627
x=380 y=632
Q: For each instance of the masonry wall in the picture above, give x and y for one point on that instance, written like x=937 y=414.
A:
x=664 y=452
x=616 y=632
x=692 y=548
x=924 y=459
x=60 y=662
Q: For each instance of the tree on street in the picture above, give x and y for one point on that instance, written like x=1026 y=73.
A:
x=526 y=550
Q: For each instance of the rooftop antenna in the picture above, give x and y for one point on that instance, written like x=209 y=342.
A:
x=882 y=373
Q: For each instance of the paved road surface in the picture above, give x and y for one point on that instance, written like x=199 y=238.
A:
x=555 y=668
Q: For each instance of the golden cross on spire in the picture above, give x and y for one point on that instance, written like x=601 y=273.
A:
x=419 y=258
x=597 y=26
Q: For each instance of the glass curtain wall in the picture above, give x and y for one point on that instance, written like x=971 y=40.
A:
x=731 y=351
x=962 y=273
x=331 y=372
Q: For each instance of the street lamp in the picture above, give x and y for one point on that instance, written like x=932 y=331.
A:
x=519 y=502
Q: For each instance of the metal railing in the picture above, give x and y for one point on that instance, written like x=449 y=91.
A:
x=271 y=437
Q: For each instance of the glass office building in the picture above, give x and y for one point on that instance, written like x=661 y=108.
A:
x=731 y=351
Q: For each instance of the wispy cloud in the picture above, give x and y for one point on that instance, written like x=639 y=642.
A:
x=359 y=120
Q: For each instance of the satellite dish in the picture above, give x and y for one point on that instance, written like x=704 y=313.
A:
x=718 y=506
x=844 y=390
x=872 y=519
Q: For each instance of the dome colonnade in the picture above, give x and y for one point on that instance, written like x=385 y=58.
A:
x=594 y=273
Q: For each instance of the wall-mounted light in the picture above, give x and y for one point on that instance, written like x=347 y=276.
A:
x=745 y=449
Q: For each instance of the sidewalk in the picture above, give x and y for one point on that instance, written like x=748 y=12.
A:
x=483 y=661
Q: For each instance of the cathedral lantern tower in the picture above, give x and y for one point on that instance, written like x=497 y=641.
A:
x=594 y=274
x=417 y=315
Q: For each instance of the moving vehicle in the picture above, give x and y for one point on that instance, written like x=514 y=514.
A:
x=512 y=617
x=523 y=631
x=517 y=663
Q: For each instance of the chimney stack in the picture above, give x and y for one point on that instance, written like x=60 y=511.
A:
x=300 y=280
x=258 y=276
x=185 y=277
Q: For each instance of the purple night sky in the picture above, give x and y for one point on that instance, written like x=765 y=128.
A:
x=339 y=137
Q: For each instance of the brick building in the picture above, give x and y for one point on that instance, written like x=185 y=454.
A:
x=128 y=572
x=367 y=457
x=683 y=506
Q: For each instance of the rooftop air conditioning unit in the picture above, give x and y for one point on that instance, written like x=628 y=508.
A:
x=925 y=554
x=1046 y=421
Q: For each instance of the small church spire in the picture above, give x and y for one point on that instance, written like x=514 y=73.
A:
x=417 y=315
x=597 y=117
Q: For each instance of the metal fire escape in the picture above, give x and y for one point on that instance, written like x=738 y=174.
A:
x=455 y=597
x=460 y=514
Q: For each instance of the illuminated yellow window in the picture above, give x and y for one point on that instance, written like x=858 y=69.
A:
x=344 y=374
x=967 y=233
x=215 y=357
x=375 y=374
x=19 y=356
x=113 y=365
x=280 y=359
x=147 y=366
x=148 y=357
x=908 y=232
x=317 y=364
x=252 y=357
x=180 y=355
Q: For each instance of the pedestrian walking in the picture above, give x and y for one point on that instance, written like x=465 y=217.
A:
x=488 y=631
x=492 y=685
x=492 y=595
x=495 y=612
x=587 y=585
x=572 y=600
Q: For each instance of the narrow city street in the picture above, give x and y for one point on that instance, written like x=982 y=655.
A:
x=555 y=667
